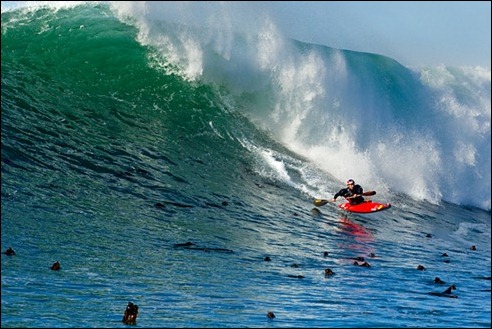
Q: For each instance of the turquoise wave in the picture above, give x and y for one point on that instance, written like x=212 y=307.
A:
x=93 y=75
x=160 y=165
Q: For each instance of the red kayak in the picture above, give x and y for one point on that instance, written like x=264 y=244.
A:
x=365 y=207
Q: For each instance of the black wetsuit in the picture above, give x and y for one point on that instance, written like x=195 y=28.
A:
x=346 y=192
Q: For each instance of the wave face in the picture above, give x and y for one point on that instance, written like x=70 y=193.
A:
x=138 y=125
x=351 y=114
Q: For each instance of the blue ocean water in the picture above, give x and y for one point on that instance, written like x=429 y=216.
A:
x=127 y=134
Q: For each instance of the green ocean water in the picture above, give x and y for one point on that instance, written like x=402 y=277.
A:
x=112 y=157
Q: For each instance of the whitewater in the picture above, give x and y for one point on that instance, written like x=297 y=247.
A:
x=130 y=129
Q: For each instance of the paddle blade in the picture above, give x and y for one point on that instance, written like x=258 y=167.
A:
x=320 y=202
x=369 y=193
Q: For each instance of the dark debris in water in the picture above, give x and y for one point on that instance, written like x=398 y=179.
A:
x=446 y=293
x=9 y=251
x=192 y=246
